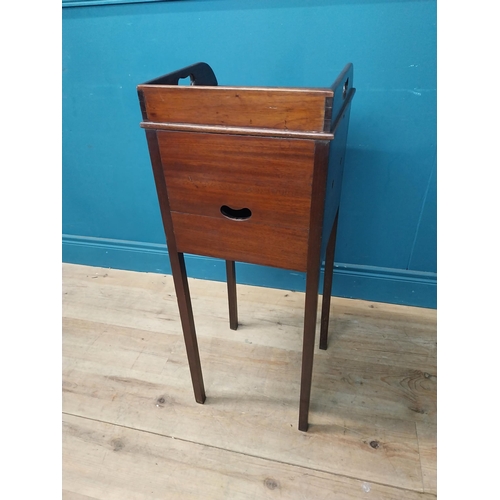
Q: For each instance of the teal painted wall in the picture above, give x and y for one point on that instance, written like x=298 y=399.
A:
x=386 y=247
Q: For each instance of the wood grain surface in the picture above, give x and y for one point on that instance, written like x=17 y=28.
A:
x=243 y=241
x=271 y=177
x=275 y=108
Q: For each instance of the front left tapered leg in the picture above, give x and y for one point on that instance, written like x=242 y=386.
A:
x=188 y=329
x=310 y=314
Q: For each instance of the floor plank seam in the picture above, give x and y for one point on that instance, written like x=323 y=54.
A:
x=254 y=456
x=123 y=345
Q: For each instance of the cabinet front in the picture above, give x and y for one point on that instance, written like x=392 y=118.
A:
x=238 y=197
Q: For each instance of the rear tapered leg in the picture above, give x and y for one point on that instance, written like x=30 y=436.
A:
x=327 y=286
x=231 y=294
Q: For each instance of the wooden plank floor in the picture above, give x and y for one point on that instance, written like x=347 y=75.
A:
x=132 y=430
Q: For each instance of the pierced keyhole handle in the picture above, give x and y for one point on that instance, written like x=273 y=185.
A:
x=344 y=89
x=235 y=214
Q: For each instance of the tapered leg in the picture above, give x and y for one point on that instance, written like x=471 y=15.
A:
x=231 y=294
x=187 y=321
x=327 y=285
x=312 y=283
x=178 y=270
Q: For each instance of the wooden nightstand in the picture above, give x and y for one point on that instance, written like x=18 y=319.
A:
x=249 y=174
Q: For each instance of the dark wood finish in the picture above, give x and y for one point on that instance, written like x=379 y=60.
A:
x=271 y=177
x=327 y=285
x=231 y=294
x=251 y=175
x=312 y=279
x=178 y=272
x=248 y=131
x=199 y=74
x=186 y=312
x=339 y=127
x=343 y=92
x=275 y=108
x=243 y=241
